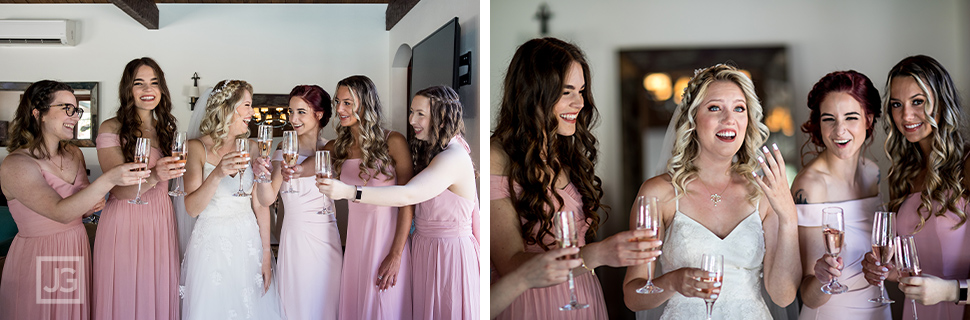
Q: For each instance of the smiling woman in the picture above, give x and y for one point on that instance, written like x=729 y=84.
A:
x=87 y=94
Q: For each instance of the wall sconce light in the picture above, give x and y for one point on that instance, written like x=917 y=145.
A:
x=194 y=92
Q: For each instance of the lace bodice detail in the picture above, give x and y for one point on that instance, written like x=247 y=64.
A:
x=223 y=203
x=687 y=240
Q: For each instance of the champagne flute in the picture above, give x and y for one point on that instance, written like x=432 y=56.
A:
x=907 y=260
x=290 y=148
x=242 y=146
x=325 y=170
x=142 y=151
x=833 y=232
x=883 y=231
x=264 y=140
x=648 y=219
x=568 y=237
x=712 y=263
x=178 y=152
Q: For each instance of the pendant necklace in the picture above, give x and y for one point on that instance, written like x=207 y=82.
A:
x=715 y=197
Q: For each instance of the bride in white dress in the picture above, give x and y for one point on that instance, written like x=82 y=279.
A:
x=711 y=202
x=227 y=270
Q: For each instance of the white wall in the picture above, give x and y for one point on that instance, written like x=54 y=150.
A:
x=426 y=17
x=869 y=36
x=274 y=47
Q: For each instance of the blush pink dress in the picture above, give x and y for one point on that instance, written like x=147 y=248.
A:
x=544 y=303
x=310 y=254
x=444 y=258
x=370 y=232
x=943 y=252
x=39 y=242
x=136 y=262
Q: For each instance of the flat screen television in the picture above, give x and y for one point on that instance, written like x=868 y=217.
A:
x=434 y=60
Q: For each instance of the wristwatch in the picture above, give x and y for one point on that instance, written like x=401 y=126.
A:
x=360 y=190
x=962 y=292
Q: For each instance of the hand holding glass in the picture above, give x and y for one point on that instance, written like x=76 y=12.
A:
x=907 y=261
x=883 y=231
x=648 y=218
x=712 y=263
x=264 y=141
x=325 y=170
x=290 y=154
x=142 y=151
x=568 y=237
x=833 y=233
x=178 y=152
x=242 y=146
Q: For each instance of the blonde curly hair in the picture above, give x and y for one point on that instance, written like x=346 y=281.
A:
x=220 y=111
x=372 y=139
x=686 y=146
x=942 y=183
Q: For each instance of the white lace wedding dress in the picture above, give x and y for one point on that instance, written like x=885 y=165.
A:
x=743 y=249
x=221 y=271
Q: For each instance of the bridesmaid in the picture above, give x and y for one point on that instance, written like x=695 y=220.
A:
x=310 y=250
x=375 y=283
x=543 y=157
x=844 y=107
x=48 y=192
x=928 y=188
x=444 y=248
x=136 y=266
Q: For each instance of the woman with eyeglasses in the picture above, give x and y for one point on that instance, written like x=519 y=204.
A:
x=136 y=262
x=46 y=186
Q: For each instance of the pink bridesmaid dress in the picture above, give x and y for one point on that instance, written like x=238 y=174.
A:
x=39 y=243
x=136 y=266
x=370 y=232
x=943 y=252
x=310 y=254
x=544 y=303
x=444 y=258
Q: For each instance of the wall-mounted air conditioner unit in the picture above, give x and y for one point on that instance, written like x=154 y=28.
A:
x=37 y=32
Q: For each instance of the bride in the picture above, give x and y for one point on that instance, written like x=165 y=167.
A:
x=227 y=266
x=712 y=201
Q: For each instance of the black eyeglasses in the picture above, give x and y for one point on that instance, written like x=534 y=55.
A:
x=70 y=109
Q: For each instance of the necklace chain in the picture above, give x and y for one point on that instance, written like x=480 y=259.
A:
x=715 y=197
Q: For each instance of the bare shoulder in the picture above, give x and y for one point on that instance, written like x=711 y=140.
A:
x=16 y=164
x=658 y=186
x=110 y=126
x=396 y=138
x=327 y=147
x=809 y=185
x=498 y=159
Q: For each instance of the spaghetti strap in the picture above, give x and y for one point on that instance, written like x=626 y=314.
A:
x=676 y=199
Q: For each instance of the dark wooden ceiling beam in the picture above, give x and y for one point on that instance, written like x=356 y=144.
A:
x=143 y=11
x=396 y=10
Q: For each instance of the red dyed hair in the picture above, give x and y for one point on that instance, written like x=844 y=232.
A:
x=317 y=98
x=851 y=82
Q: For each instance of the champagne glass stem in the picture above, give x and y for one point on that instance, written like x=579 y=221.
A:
x=240 y=181
x=915 y=316
x=573 y=300
x=710 y=309
x=138 y=194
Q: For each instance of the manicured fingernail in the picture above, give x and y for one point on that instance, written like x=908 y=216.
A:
x=774 y=146
x=878 y=264
x=713 y=296
x=885 y=270
x=717 y=284
x=754 y=173
x=711 y=274
x=764 y=148
x=659 y=252
x=762 y=160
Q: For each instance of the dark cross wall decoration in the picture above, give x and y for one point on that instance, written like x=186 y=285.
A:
x=543 y=15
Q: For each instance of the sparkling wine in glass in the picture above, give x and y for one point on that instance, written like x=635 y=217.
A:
x=142 y=151
x=242 y=146
x=291 y=150
x=907 y=260
x=325 y=170
x=712 y=263
x=883 y=231
x=178 y=152
x=833 y=232
x=264 y=141
x=648 y=218
x=568 y=237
